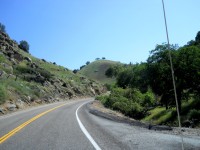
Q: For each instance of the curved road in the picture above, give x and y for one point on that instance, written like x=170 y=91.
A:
x=69 y=126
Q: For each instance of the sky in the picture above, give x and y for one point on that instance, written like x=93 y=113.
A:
x=72 y=32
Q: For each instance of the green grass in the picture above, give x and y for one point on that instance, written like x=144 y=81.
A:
x=160 y=115
x=19 y=87
x=3 y=94
x=96 y=71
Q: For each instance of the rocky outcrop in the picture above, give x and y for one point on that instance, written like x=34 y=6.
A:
x=9 y=48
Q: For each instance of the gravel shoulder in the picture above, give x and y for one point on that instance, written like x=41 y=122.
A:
x=96 y=108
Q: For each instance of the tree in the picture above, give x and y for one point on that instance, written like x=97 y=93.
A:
x=188 y=70
x=24 y=46
x=159 y=73
x=103 y=58
x=97 y=59
x=197 y=39
x=2 y=28
x=88 y=62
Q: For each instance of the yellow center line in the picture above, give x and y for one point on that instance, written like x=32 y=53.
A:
x=17 y=129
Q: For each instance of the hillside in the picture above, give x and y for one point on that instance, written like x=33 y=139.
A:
x=26 y=80
x=96 y=71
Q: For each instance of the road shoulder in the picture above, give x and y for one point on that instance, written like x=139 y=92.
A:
x=96 y=108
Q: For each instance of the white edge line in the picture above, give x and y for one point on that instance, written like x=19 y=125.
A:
x=96 y=146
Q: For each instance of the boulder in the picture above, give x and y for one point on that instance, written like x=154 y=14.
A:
x=28 y=59
x=18 y=57
x=11 y=107
x=2 y=110
x=20 y=103
x=93 y=91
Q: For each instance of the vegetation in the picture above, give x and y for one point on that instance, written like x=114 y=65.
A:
x=31 y=80
x=143 y=90
x=96 y=71
x=2 y=28
x=24 y=46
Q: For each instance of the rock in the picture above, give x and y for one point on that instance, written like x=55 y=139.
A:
x=64 y=84
x=93 y=91
x=34 y=65
x=10 y=53
x=13 y=61
x=159 y=127
x=39 y=101
x=77 y=91
x=2 y=110
x=11 y=107
x=28 y=59
x=19 y=103
x=18 y=56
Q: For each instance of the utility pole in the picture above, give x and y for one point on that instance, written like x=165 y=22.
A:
x=173 y=78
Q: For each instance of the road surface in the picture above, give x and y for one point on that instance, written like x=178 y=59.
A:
x=69 y=126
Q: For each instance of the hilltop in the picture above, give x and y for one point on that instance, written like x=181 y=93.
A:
x=26 y=80
x=96 y=71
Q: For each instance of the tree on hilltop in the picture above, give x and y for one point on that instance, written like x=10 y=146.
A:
x=2 y=28
x=24 y=46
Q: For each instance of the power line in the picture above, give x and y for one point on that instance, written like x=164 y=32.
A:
x=173 y=78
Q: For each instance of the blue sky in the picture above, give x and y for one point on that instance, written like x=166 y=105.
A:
x=71 y=32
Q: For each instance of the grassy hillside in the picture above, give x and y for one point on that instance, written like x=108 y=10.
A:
x=96 y=71
x=26 y=80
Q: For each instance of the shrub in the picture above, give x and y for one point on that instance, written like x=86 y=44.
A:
x=149 y=99
x=194 y=114
x=24 y=46
x=137 y=111
x=123 y=107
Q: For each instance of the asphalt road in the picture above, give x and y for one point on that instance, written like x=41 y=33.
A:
x=72 y=127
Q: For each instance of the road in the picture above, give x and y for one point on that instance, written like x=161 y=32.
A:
x=69 y=126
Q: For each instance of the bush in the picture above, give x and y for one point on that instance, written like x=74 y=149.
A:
x=137 y=111
x=149 y=99
x=194 y=114
x=122 y=106
x=24 y=46
x=102 y=98
x=33 y=72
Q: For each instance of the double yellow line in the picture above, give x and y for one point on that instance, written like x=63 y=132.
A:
x=17 y=129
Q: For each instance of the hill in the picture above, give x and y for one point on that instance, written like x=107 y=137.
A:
x=26 y=80
x=96 y=71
